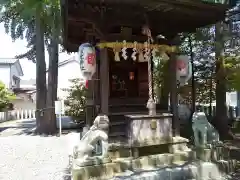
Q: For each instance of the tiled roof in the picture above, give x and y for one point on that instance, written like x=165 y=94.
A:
x=7 y=60
x=71 y=59
x=12 y=61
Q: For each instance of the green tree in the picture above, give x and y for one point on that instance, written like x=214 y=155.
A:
x=5 y=97
x=76 y=100
x=203 y=64
x=39 y=21
x=216 y=67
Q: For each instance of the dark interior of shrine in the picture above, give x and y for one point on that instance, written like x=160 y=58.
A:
x=128 y=78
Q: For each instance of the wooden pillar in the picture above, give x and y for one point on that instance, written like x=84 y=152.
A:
x=104 y=80
x=173 y=93
x=92 y=97
x=96 y=94
x=90 y=103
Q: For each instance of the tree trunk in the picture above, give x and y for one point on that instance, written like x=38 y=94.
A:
x=221 y=120
x=52 y=83
x=40 y=75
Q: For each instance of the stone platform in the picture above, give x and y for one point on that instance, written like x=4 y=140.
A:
x=122 y=165
x=151 y=152
x=127 y=158
x=189 y=171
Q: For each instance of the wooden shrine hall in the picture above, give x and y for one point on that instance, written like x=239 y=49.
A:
x=120 y=85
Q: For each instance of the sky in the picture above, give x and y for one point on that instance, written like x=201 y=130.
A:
x=9 y=49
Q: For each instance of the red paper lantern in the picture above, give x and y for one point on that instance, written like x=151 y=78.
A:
x=87 y=59
x=86 y=84
x=181 y=65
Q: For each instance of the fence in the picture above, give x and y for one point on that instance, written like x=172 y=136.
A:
x=17 y=114
x=29 y=114
x=232 y=112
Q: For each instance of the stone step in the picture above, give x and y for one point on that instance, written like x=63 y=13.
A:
x=181 y=170
x=120 y=165
x=170 y=145
x=170 y=166
x=227 y=166
x=212 y=154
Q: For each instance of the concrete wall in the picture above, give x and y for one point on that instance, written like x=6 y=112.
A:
x=14 y=72
x=5 y=75
x=23 y=104
x=68 y=71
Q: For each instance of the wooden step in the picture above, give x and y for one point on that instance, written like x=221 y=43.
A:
x=117 y=123
x=127 y=108
x=117 y=128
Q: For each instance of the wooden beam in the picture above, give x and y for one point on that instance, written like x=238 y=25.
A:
x=196 y=3
x=144 y=6
x=93 y=18
x=177 y=21
x=158 y=26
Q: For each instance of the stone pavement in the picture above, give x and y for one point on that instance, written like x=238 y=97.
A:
x=25 y=156
x=28 y=157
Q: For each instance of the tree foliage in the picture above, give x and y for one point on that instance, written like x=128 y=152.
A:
x=204 y=44
x=76 y=100
x=19 y=21
x=5 y=97
x=201 y=53
x=38 y=22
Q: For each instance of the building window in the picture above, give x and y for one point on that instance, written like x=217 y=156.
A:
x=15 y=82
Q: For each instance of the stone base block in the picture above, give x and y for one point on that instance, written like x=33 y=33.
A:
x=102 y=171
x=91 y=161
x=120 y=165
x=227 y=166
x=172 y=145
x=190 y=171
x=120 y=153
x=212 y=154
x=159 y=160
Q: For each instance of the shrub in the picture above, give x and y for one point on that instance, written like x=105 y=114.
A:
x=76 y=100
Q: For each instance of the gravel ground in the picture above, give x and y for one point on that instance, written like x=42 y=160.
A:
x=30 y=157
x=26 y=157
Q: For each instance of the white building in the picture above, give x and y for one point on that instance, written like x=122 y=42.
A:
x=10 y=72
x=67 y=70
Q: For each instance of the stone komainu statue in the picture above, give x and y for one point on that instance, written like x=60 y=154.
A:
x=204 y=133
x=98 y=132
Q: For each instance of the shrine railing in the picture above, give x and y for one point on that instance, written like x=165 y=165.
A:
x=217 y=1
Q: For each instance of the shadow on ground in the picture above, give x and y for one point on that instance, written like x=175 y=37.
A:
x=67 y=173
x=26 y=127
